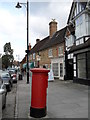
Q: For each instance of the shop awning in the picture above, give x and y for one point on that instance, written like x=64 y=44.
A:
x=31 y=65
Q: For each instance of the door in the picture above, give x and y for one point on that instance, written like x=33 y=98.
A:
x=70 y=69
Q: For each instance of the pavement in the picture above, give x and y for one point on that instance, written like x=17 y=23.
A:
x=65 y=99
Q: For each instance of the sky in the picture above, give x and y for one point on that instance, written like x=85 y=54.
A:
x=13 y=22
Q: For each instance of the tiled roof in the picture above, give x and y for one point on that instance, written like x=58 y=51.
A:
x=38 y=45
x=47 y=42
x=57 y=38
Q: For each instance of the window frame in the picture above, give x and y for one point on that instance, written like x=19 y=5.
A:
x=60 y=48
x=50 y=53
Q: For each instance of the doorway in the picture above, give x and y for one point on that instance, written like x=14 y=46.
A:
x=70 y=69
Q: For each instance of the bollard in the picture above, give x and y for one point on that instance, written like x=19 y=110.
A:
x=39 y=92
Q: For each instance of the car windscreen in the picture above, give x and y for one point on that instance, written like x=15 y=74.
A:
x=5 y=75
x=12 y=72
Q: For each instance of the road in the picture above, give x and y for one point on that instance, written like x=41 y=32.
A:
x=9 y=111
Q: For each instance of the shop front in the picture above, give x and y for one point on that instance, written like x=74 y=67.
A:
x=58 y=67
x=81 y=63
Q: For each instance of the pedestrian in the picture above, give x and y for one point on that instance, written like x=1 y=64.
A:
x=44 y=66
x=22 y=72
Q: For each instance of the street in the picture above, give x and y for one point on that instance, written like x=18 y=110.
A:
x=65 y=99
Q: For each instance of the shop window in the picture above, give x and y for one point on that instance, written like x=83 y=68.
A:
x=81 y=65
x=55 y=69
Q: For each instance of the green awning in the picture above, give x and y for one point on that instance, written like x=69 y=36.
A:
x=31 y=65
x=24 y=65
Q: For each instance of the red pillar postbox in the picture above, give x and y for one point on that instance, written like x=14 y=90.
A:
x=39 y=92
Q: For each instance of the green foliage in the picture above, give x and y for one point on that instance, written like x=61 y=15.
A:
x=7 y=59
x=7 y=49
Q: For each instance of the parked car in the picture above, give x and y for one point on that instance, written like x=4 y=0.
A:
x=7 y=80
x=13 y=75
x=3 y=93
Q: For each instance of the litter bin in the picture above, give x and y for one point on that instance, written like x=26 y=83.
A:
x=39 y=92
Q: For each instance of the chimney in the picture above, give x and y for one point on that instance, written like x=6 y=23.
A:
x=29 y=46
x=52 y=27
x=37 y=40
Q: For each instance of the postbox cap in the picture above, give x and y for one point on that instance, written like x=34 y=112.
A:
x=38 y=70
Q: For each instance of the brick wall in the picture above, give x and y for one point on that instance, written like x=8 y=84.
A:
x=44 y=58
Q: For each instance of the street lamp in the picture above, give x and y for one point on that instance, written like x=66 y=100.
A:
x=0 y=61
x=27 y=51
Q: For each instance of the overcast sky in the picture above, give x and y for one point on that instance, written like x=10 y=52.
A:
x=13 y=22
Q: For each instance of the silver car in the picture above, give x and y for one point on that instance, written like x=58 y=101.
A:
x=3 y=93
x=13 y=75
x=7 y=80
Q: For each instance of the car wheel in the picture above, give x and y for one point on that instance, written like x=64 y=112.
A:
x=10 y=87
x=16 y=81
x=11 y=84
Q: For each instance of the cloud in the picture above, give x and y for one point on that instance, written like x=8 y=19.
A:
x=39 y=24
x=13 y=23
x=13 y=29
x=1 y=44
x=41 y=16
x=24 y=1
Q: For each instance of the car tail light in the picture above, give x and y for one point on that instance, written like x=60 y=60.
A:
x=14 y=75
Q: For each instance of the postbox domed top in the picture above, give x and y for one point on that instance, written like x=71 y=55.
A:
x=40 y=70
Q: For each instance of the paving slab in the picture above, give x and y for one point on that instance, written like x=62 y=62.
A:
x=65 y=99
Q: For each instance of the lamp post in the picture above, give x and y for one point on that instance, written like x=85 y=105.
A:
x=27 y=51
x=0 y=61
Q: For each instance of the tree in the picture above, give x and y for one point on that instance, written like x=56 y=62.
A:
x=7 y=49
x=7 y=59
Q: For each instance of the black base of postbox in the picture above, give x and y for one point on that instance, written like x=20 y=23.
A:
x=37 y=112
